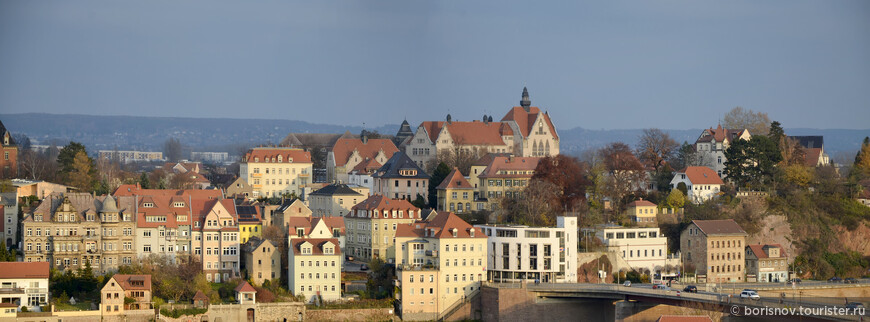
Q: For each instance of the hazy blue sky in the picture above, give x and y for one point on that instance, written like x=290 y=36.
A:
x=607 y=64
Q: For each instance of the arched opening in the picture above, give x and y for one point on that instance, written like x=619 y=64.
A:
x=250 y=315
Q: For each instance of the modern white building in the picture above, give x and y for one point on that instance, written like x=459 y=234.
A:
x=702 y=183
x=210 y=157
x=24 y=284
x=642 y=248
x=523 y=253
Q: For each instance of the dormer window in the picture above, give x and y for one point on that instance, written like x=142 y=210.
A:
x=256 y=159
x=328 y=250
x=472 y=232
x=306 y=250
x=148 y=205
x=280 y=159
x=455 y=232
x=178 y=204
x=408 y=172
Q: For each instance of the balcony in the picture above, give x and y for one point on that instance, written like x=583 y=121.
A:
x=256 y=175
x=433 y=253
x=11 y=290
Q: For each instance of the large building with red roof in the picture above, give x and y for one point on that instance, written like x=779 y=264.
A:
x=439 y=262
x=371 y=226
x=349 y=154
x=523 y=131
x=25 y=284
x=276 y=171
x=713 y=250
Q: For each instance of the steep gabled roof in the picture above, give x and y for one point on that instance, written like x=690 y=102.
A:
x=368 y=166
x=719 y=227
x=127 y=282
x=719 y=134
x=701 y=175
x=244 y=287
x=469 y=133
x=317 y=244
x=526 y=120
x=267 y=155
x=454 y=180
x=812 y=156
x=641 y=203
x=343 y=149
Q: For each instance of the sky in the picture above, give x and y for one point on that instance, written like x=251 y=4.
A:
x=596 y=65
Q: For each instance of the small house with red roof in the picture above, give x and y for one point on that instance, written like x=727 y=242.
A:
x=643 y=213
x=702 y=183
x=245 y=293
x=767 y=262
x=25 y=284
x=714 y=250
x=122 y=286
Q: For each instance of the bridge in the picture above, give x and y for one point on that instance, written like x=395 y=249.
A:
x=811 y=309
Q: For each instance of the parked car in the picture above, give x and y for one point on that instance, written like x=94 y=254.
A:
x=364 y=267
x=627 y=284
x=835 y=280
x=750 y=294
x=691 y=289
x=850 y=280
x=854 y=305
x=794 y=281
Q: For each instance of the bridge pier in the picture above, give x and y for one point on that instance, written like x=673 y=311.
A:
x=624 y=310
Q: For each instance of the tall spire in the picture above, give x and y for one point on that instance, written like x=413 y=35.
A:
x=525 y=102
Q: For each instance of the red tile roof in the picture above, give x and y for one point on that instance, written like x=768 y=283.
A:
x=702 y=175
x=641 y=203
x=24 y=270
x=270 y=155
x=439 y=227
x=500 y=163
x=454 y=180
x=759 y=252
x=381 y=203
x=125 y=281
x=719 y=227
x=318 y=245
x=244 y=287
x=344 y=147
x=526 y=120
x=719 y=134
x=368 y=166
x=812 y=156
x=469 y=133
x=308 y=223
x=131 y=190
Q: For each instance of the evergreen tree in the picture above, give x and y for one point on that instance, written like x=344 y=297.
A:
x=441 y=172
x=144 y=181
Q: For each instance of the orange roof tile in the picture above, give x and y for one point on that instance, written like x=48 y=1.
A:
x=24 y=270
x=526 y=120
x=759 y=252
x=344 y=147
x=454 y=180
x=318 y=245
x=126 y=281
x=702 y=175
x=131 y=190
x=811 y=156
x=381 y=203
x=270 y=155
x=510 y=164
x=469 y=133
x=368 y=166
x=440 y=227
x=719 y=227
x=244 y=287
x=641 y=203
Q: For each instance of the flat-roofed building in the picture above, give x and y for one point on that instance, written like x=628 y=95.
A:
x=522 y=253
x=644 y=249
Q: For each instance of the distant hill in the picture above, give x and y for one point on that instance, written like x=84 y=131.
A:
x=231 y=135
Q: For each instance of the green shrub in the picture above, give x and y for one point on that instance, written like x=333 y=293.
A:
x=176 y=313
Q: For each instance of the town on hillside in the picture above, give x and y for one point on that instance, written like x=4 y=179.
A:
x=437 y=222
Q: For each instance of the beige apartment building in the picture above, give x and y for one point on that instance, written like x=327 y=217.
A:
x=262 y=260
x=505 y=176
x=767 y=263
x=289 y=208
x=72 y=229
x=216 y=238
x=335 y=200
x=439 y=263
x=643 y=213
x=315 y=268
x=401 y=178
x=371 y=226
x=276 y=171
x=713 y=250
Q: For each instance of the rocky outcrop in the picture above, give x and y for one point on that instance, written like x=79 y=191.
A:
x=857 y=239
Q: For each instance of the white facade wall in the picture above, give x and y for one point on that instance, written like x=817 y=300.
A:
x=517 y=253
x=642 y=248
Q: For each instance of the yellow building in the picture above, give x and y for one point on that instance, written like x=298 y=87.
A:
x=250 y=222
x=439 y=263
x=455 y=193
x=506 y=176
x=643 y=212
x=315 y=268
x=275 y=171
x=371 y=226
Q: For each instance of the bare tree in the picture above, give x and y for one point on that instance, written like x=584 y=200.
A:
x=739 y=118
x=625 y=172
x=655 y=147
x=172 y=149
